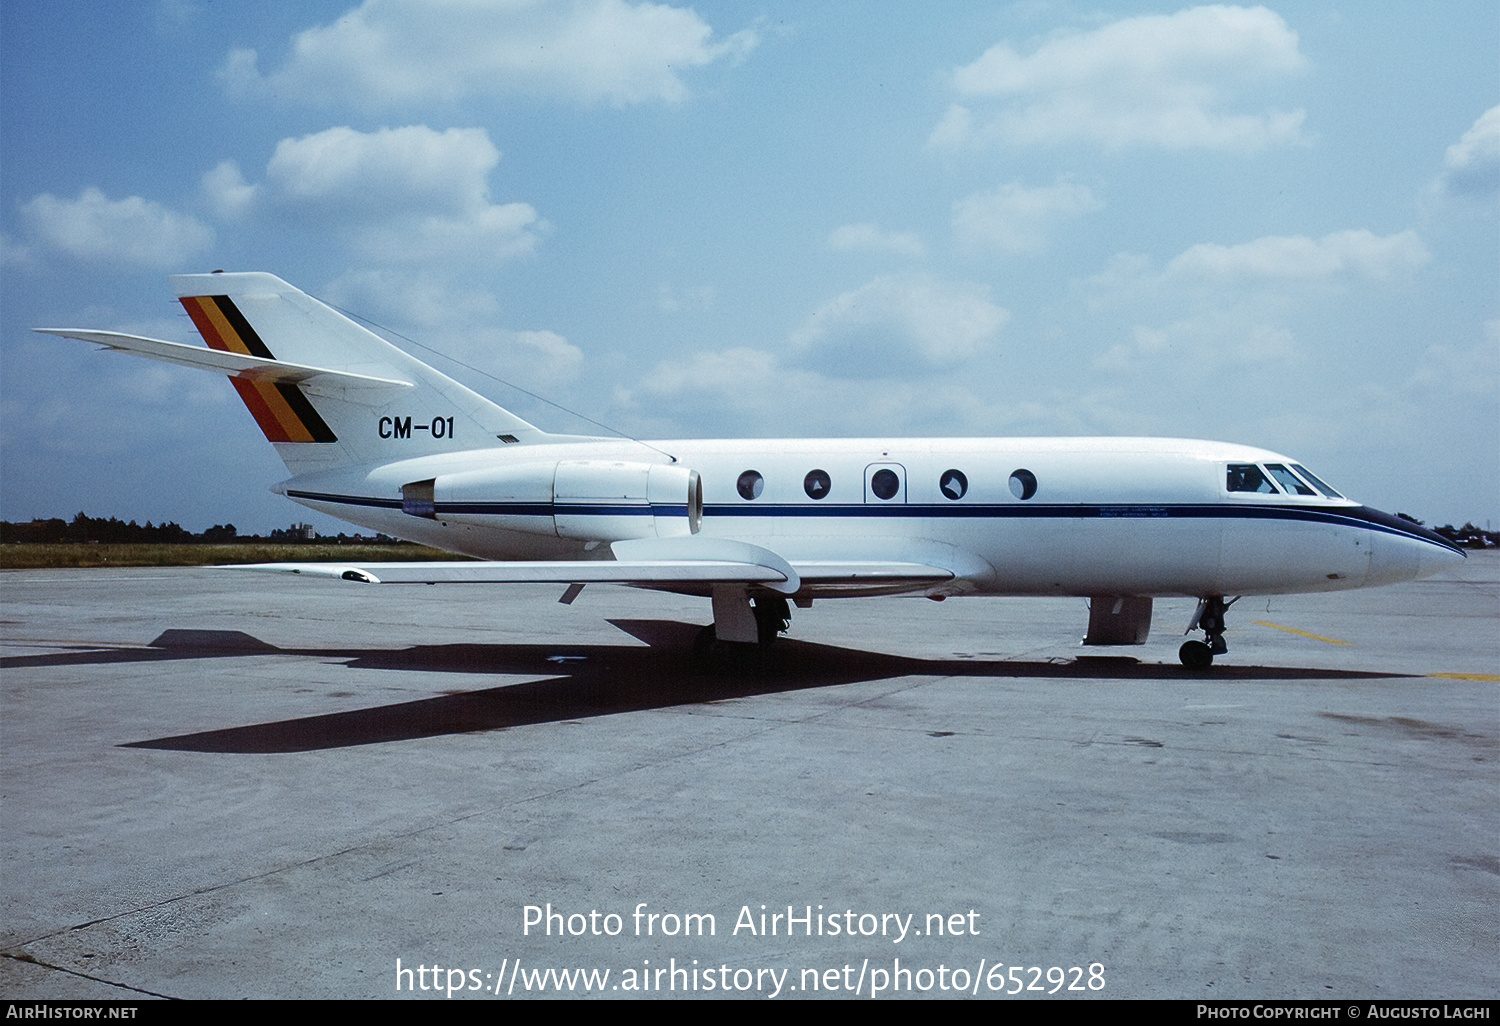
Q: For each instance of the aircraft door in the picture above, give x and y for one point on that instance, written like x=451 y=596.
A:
x=885 y=483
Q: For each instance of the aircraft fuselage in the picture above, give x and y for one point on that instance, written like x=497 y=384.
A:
x=1012 y=516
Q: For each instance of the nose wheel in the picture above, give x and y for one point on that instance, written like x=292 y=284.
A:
x=1209 y=618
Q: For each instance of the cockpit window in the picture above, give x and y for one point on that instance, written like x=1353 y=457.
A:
x=1299 y=468
x=1289 y=482
x=1247 y=477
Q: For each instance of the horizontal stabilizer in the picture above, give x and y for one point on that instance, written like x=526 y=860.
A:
x=236 y=365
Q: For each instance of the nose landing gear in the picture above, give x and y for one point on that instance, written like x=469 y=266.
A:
x=1209 y=617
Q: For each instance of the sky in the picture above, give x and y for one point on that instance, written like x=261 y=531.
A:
x=1278 y=226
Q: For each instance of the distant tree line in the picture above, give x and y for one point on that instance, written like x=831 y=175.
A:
x=84 y=529
x=1468 y=536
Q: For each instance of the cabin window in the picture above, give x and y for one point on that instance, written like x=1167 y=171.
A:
x=1023 y=484
x=1299 y=468
x=816 y=484
x=885 y=484
x=750 y=485
x=1289 y=482
x=953 y=484
x=1247 y=477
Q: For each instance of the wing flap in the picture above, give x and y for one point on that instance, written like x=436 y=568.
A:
x=830 y=571
x=236 y=365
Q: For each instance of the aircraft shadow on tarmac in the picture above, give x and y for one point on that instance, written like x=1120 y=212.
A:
x=582 y=681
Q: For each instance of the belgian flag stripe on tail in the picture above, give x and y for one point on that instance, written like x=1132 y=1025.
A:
x=280 y=408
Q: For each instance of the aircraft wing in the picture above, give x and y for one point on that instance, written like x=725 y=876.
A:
x=688 y=564
x=600 y=571
x=236 y=365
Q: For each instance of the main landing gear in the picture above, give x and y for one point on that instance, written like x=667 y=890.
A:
x=742 y=624
x=1209 y=617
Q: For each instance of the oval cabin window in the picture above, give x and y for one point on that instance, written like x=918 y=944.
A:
x=953 y=484
x=885 y=484
x=1023 y=484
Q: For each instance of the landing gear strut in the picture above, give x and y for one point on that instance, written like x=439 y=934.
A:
x=742 y=623
x=1209 y=617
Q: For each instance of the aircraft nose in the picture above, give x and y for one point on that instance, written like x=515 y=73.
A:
x=1410 y=555
x=1433 y=560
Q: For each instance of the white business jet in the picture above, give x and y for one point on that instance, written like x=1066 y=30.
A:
x=377 y=438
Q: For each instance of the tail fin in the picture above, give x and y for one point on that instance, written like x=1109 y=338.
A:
x=321 y=423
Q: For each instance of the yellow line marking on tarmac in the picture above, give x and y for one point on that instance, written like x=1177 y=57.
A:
x=1466 y=676
x=1304 y=634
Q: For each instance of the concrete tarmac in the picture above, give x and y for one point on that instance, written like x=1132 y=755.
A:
x=223 y=785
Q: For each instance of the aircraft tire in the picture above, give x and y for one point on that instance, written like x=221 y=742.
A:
x=1195 y=655
x=704 y=644
x=710 y=655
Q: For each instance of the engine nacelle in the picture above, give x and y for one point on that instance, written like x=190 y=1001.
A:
x=598 y=500
x=590 y=500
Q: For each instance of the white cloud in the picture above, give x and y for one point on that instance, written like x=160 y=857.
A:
x=132 y=230
x=751 y=392
x=561 y=358
x=672 y=299
x=887 y=357
x=398 y=52
x=487 y=234
x=955 y=129
x=422 y=299
x=1156 y=80
x=401 y=194
x=172 y=16
x=227 y=192
x=12 y=253
x=1471 y=166
x=901 y=323
x=1299 y=257
x=1202 y=347
x=747 y=392
x=1016 y=219
x=1448 y=372
x=726 y=373
x=1240 y=310
x=444 y=170
x=459 y=322
x=868 y=238
x=1272 y=262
